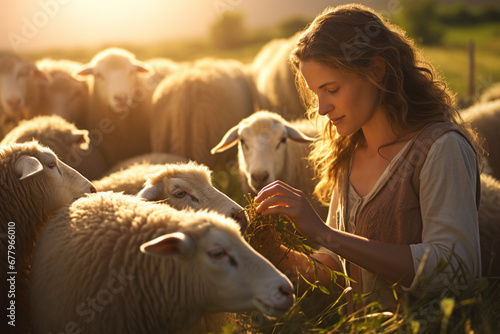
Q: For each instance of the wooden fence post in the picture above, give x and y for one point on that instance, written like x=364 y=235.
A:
x=471 y=72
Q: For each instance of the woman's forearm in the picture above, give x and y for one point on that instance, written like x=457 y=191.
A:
x=390 y=261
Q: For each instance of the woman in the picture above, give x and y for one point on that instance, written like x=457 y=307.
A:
x=396 y=164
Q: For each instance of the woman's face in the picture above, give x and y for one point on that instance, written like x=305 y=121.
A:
x=348 y=100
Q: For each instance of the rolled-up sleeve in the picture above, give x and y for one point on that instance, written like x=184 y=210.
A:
x=449 y=255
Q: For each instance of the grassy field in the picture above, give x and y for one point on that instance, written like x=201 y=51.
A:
x=452 y=60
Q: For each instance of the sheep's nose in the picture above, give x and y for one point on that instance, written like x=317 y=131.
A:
x=260 y=177
x=93 y=189
x=241 y=218
x=283 y=298
x=286 y=290
x=120 y=99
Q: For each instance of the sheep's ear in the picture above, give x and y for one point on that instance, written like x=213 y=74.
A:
x=26 y=166
x=172 y=244
x=297 y=135
x=45 y=78
x=150 y=192
x=142 y=67
x=80 y=138
x=39 y=75
x=229 y=140
x=84 y=71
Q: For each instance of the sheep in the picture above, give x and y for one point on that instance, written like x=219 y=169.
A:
x=69 y=143
x=275 y=79
x=190 y=186
x=19 y=91
x=180 y=185
x=489 y=226
x=120 y=104
x=111 y=263
x=35 y=183
x=63 y=95
x=485 y=118
x=491 y=93
x=270 y=149
x=193 y=107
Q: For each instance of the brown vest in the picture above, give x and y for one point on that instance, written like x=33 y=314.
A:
x=393 y=214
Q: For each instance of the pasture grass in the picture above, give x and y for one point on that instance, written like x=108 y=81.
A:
x=451 y=58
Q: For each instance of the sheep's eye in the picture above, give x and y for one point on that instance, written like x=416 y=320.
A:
x=243 y=144
x=180 y=194
x=282 y=141
x=217 y=253
x=51 y=164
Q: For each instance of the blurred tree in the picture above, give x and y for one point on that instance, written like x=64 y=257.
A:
x=229 y=31
x=420 y=20
x=291 y=25
x=462 y=14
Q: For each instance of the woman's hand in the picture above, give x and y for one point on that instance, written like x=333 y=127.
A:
x=280 y=198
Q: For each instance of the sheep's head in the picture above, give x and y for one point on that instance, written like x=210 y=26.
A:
x=231 y=275
x=62 y=137
x=16 y=76
x=116 y=82
x=262 y=141
x=189 y=186
x=38 y=171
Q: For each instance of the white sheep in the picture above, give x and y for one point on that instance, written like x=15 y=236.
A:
x=35 y=183
x=275 y=78
x=111 y=263
x=489 y=226
x=63 y=94
x=491 y=93
x=485 y=118
x=19 y=91
x=270 y=149
x=180 y=185
x=190 y=185
x=120 y=104
x=195 y=105
x=69 y=143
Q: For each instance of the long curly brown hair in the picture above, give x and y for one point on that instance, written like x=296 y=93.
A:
x=349 y=37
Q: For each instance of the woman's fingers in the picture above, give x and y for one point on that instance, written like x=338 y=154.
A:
x=276 y=188
x=280 y=198
x=276 y=204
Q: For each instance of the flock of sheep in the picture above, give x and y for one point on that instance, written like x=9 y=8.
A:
x=150 y=244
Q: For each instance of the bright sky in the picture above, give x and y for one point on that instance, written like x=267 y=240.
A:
x=39 y=24
x=27 y=25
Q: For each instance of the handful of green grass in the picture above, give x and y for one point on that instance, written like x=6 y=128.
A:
x=267 y=233
x=273 y=229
